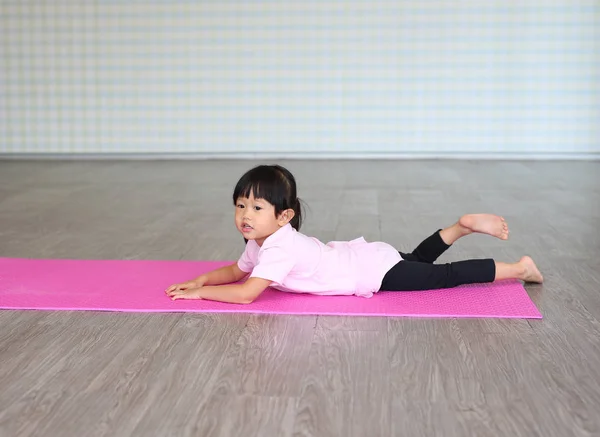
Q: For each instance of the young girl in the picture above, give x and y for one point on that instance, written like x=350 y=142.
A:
x=267 y=213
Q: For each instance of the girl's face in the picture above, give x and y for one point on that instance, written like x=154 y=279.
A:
x=256 y=220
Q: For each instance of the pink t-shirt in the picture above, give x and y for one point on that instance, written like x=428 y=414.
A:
x=297 y=263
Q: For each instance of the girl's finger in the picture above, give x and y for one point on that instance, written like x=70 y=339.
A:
x=184 y=295
x=179 y=296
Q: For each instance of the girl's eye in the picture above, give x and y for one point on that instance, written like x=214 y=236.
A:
x=258 y=208
x=240 y=206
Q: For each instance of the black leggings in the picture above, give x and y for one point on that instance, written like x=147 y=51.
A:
x=417 y=271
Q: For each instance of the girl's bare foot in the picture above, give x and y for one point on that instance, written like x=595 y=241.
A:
x=530 y=271
x=525 y=270
x=485 y=224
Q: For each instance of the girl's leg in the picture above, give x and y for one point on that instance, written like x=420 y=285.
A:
x=428 y=250
x=413 y=276
x=481 y=223
x=433 y=246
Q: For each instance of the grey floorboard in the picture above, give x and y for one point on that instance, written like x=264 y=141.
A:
x=345 y=385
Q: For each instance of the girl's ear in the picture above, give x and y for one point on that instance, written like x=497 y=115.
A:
x=286 y=216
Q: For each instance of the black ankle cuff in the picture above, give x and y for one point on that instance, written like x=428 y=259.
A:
x=441 y=241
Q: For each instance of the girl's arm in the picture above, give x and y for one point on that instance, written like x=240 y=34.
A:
x=224 y=275
x=232 y=293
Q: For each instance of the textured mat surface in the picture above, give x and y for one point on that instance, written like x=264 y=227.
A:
x=138 y=286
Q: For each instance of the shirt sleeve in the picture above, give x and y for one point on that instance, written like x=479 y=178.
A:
x=246 y=262
x=274 y=264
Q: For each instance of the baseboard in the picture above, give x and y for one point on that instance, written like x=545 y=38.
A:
x=528 y=156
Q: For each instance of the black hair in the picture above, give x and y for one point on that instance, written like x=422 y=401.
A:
x=276 y=185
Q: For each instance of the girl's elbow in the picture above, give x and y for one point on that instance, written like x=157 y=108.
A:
x=248 y=298
x=243 y=298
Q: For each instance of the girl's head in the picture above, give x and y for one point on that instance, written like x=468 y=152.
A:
x=265 y=200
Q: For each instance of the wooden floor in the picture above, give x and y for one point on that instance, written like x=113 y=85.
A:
x=114 y=374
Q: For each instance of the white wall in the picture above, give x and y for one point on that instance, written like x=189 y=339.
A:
x=312 y=76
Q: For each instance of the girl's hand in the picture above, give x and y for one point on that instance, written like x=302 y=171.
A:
x=189 y=293
x=183 y=286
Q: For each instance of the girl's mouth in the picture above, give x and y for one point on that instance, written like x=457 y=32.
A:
x=246 y=228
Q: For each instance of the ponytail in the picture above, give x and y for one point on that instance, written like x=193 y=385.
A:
x=296 y=222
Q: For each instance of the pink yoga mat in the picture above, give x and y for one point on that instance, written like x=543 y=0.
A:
x=138 y=286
